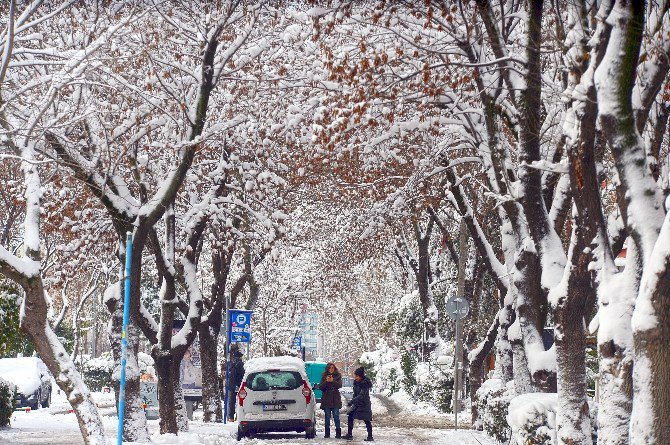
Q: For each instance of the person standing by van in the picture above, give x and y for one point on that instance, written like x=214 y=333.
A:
x=236 y=374
x=361 y=407
x=331 y=400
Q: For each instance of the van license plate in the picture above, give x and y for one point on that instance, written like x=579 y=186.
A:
x=274 y=407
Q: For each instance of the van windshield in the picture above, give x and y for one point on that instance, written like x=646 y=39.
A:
x=273 y=380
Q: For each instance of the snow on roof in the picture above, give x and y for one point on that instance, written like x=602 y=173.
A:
x=284 y=363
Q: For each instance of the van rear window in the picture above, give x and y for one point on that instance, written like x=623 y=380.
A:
x=274 y=380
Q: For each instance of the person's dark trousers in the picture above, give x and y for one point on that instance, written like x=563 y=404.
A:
x=232 y=404
x=350 y=426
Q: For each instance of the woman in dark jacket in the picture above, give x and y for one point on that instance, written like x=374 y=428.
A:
x=361 y=407
x=331 y=401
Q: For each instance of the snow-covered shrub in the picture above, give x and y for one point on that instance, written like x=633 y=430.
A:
x=383 y=367
x=435 y=385
x=493 y=402
x=408 y=366
x=97 y=372
x=394 y=382
x=7 y=402
x=483 y=397
x=532 y=419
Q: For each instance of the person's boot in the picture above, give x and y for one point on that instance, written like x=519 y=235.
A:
x=369 y=439
x=338 y=433
x=349 y=436
x=326 y=435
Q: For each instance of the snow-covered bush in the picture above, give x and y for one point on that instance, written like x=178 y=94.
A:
x=493 y=402
x=97 y=372
x=7 y=402
x=527 y=419
x=392 y=371
x=383 y=368
x=435 y=385
x=483 y=397
x=532 y=419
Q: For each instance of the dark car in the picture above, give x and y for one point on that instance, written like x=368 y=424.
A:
x=31 y=378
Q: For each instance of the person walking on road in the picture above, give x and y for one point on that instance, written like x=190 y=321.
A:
x=236 y=374
x=331 y=400
x=361 y=407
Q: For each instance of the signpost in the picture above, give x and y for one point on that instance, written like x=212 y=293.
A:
x=238 y=328
x=457 y=308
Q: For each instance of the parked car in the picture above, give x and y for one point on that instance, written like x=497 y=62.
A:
x=31 y=378
x=275 y=396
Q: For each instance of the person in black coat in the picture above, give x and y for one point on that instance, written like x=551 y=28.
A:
x=235 y=376
x=331 y=400
x=361 y=407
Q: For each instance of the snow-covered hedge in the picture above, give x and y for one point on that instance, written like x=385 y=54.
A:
x=493 y=400
x=384 y=368
x=526 y=419
x=393 y=371
x=7 y=402
x=97 y=371
x=435 y=385
x=532 y=419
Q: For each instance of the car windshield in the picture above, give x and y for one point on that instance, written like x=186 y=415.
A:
x=273 y=380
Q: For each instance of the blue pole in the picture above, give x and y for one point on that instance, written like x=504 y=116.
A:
x=226 y=396
x=124 y=338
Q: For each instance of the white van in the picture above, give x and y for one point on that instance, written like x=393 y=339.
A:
x=275 y=396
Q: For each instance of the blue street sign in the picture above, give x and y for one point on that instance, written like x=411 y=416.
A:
x=240 y=326
x=297 y=343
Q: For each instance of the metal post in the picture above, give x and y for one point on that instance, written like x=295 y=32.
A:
x=457 y=374
x=124 y=338
x=225 y=396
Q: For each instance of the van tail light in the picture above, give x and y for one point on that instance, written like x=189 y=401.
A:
x=242 y=394
x=306 y=391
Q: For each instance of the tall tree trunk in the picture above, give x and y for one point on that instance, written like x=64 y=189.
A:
x=135 y=418
x=58 y=361
x=211 y=400
x=166 y=397
x=615 y=82
x=504 y=354
x=179 y=403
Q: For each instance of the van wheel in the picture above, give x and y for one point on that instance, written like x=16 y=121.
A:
x=240 y=435
x=310 y=433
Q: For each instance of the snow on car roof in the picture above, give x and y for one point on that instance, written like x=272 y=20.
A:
x=284 y=363
x=24 y=372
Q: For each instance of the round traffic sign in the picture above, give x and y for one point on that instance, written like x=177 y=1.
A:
x=457 y=308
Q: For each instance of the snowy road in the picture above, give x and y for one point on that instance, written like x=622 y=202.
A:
x=55 y=426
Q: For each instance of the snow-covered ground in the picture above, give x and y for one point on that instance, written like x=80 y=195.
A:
x=58 y=426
